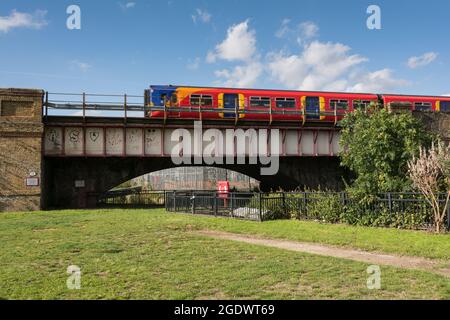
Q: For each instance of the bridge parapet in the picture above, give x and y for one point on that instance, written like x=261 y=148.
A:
x=21 y=130
x=106 y=140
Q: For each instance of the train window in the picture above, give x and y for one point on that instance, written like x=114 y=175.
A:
x=403 y=105
x=445 y=106
x=285 y=102
x=361 y=104
x=163 y=99
x=422 y=106
x=198 y=100
x=339 y=104
x=260 y=102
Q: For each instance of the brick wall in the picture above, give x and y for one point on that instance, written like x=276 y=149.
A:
x=20 y=149
x=436 y=122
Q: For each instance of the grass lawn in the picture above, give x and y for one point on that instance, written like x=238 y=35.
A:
x=401 y=242
x=150 y=254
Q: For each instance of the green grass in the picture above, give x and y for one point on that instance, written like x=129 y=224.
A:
x=387 y=240
x=149 y=254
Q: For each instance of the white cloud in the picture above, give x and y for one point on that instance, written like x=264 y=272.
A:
x=330 y=67
x=284 y=28
x=378 y=82
x=18 y=19
x=127 y=5
x=301 y=33
x=422 y=60
x=201 y=15
x=446 y=95
x=321 y=66
x=240 y=76
x=239 y=45
x=79 y=65
x=308 y=29
x=194 y=65
x=327 y=66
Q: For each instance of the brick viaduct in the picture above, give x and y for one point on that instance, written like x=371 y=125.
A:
x=31 y=181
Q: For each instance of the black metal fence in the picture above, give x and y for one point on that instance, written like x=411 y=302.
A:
x=133 y=199
x=403 y=210
x=236 y=204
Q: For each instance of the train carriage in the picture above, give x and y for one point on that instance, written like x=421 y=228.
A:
x=232 y=104
x=417 y=103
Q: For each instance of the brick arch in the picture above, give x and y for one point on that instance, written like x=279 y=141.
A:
x=102 y=174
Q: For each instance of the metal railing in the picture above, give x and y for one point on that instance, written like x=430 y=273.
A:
x=75 y=104
x=409 y=210
x=240 y=205
x=120 y=105
x=145 y=199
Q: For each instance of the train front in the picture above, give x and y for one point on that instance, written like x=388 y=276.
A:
x=157 y=97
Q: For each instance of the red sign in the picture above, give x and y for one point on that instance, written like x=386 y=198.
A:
x=223 y=187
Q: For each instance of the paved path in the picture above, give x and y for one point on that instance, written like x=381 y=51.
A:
x=441 y=267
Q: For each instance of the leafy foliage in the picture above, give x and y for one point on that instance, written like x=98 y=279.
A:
x=377 y=146
x=326 y=206
x=429 y=174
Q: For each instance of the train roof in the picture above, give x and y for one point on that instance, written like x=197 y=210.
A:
x=312 y=91
x=259 y=89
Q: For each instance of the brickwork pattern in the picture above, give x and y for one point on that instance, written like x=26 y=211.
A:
x=21 y=130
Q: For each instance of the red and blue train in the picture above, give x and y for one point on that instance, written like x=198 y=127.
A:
x=187 y=102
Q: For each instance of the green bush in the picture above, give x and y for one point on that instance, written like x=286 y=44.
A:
x=326 y=207
x=332 y=207
x=376 y=146
x=369 y=211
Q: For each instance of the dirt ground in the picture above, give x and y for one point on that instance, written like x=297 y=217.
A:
x=406 y=262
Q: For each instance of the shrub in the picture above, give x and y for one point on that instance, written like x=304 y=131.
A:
x=377 y=145
x=326 y=207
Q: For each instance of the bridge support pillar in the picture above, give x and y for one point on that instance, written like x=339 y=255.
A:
x=21 y=131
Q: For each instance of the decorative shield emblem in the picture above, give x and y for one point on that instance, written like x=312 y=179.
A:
x=93 y=135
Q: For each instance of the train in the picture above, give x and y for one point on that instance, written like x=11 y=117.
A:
x=215 y=103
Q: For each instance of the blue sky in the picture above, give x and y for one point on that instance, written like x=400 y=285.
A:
x=124 y=46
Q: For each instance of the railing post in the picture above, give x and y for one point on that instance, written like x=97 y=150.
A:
x=232 y=204
x=84 y=106
x=215 y=204
x=174 y=201
x=344 y=198
x=260 y=206
x=305 y=202
x=390 y=206
x=284 y=204
x=125 y=106
x=193 y=203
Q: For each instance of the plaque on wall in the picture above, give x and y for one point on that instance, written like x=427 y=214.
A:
x=32 y=182
x=79 y=184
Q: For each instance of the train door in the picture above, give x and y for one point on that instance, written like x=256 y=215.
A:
x=444 y=106
x=312 y=108
x=230 y=102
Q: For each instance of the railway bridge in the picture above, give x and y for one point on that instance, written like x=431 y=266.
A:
x=64 y=151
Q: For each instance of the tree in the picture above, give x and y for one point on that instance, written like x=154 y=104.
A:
x=377 y=146
x=429 y=173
